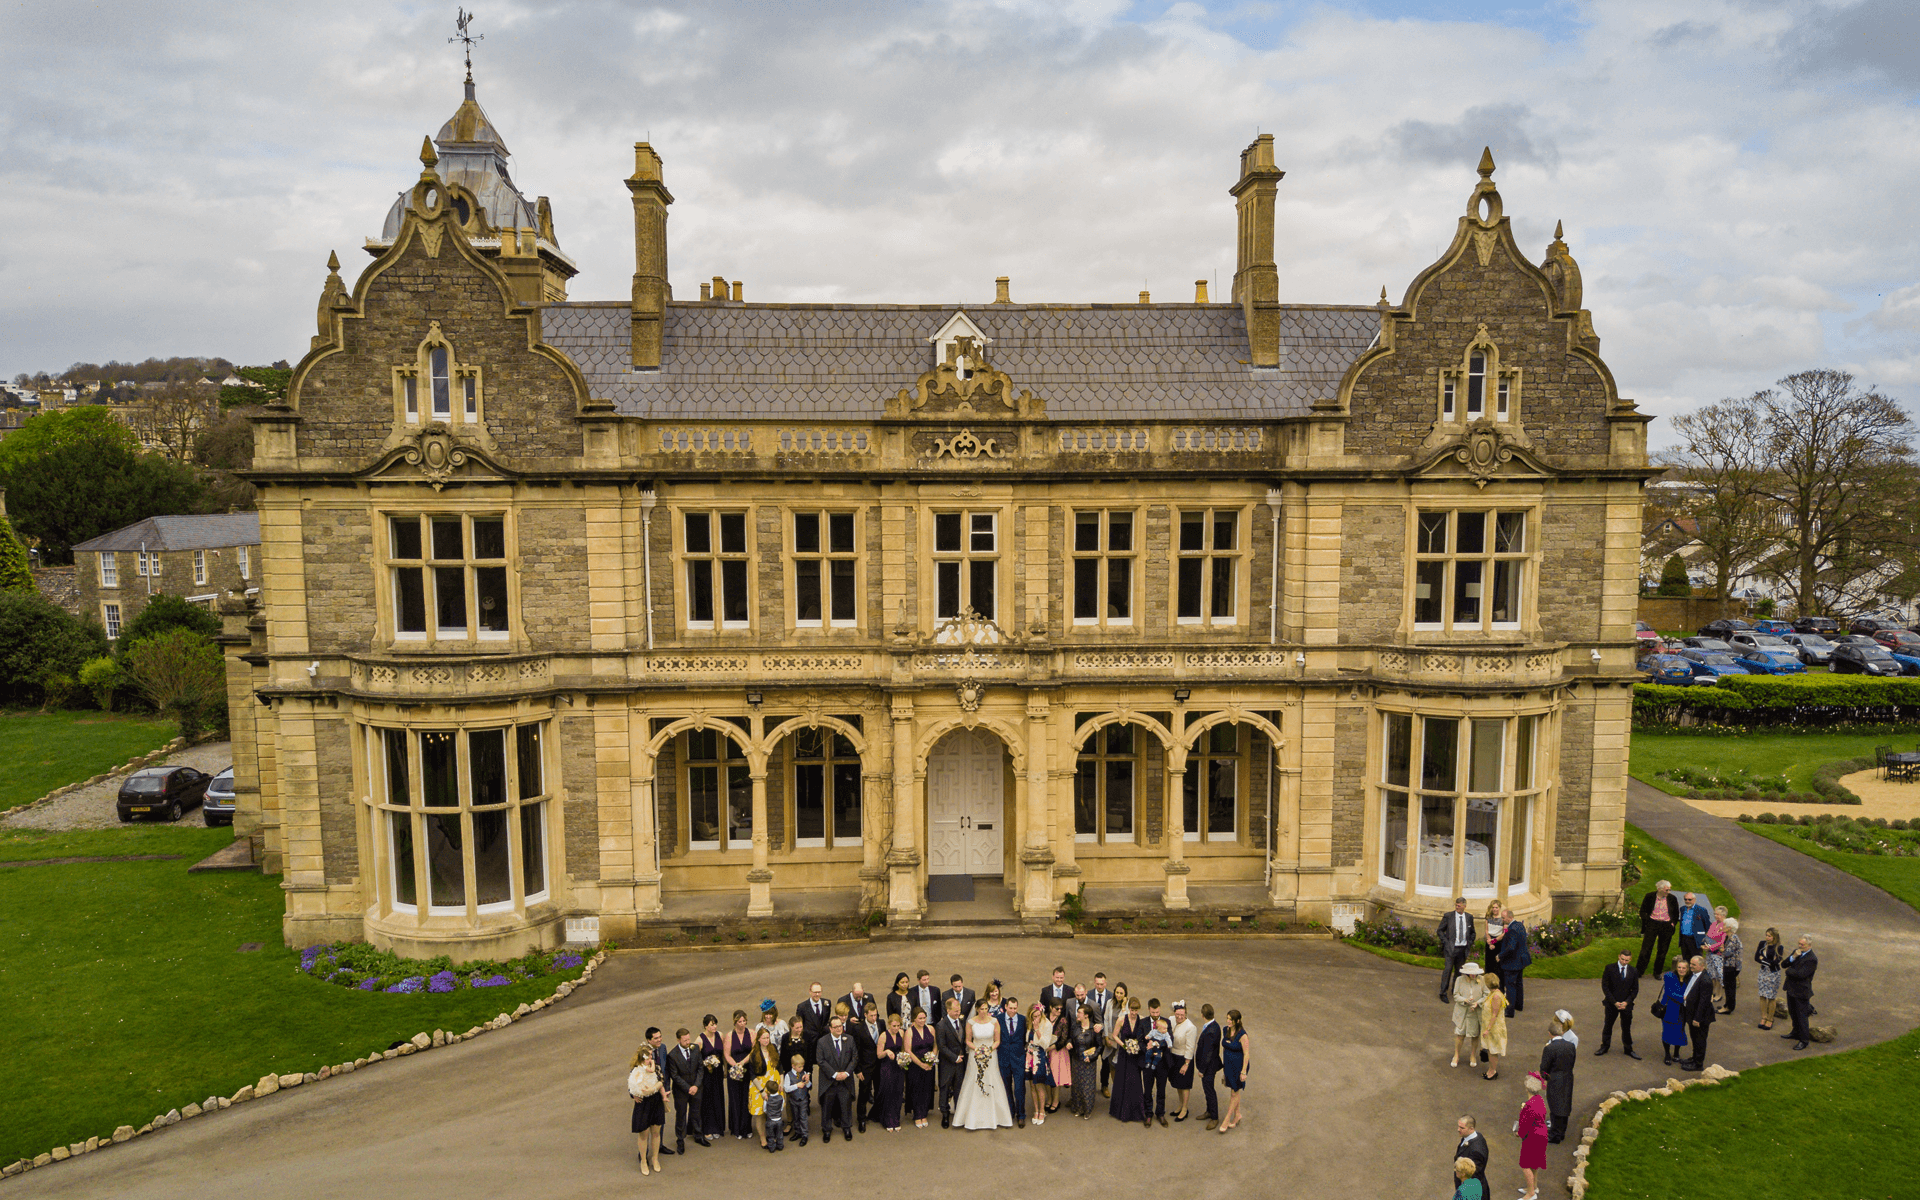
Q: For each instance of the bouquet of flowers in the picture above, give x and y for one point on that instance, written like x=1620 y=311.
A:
x=737 y=1071
x=1132 y=1046
x=931 y=1058
x=1087 y=1055
x=711 y=1062
x=982 y=1056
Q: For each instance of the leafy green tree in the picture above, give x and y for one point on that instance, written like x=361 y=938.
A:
x=77 y=474
x=182 y=674
x=16 y=570
x=103 y=677
x=1673 y=578
x=39 y=641
x=164 y=612
x=270 y=387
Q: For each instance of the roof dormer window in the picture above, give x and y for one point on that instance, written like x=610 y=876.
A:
x=961 y=343
x=453 y=389
x=1480 y=388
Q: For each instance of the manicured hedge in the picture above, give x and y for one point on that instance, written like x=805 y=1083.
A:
x=1759 y=701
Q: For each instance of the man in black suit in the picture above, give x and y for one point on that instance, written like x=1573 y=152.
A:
x=950 y=1038
x=1207 y=1060
x=856 y=1002
x=1798 y=969
x=1659 y=917
x=1473 y=1146
x=683 y=1076
x=839 y=1061
x=1102 y=1001
x=866 y=1034
x=924 y=995
x=1058 y=992
x=1696 y=1010
x=814 y=1013
x=1619 y=986
x=959 y=990
x=1455 y=932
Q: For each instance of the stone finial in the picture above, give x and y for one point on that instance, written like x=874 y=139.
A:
x=1486 y=162
x=428 y=158
x=333 y=262
x=1002 y=290
x=1383 y=294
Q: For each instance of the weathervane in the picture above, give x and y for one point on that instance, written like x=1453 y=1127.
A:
x=462 y=19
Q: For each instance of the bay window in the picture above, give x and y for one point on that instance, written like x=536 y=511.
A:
x=1457 y=796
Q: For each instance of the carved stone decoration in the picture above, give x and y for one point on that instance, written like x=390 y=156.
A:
x=437 y=456
x=970 y=692
x=964 y=383
x=964 y=445
x=968 y=629
x=1483 y=453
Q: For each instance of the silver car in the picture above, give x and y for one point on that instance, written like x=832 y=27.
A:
x=1814 y=650
x=218 y=807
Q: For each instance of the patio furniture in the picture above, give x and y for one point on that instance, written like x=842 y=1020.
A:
x=1904 y=767
x=1880 y=754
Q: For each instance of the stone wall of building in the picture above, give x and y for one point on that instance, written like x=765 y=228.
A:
x=336 y=548
x=1571 y=813
x=339 y=836
x=552 y=553
x=1349 y=785
x=580 y=776
x=1373 y=570
x=1572 y=560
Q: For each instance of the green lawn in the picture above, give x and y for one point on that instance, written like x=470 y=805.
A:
x=1794 y=755
x=1773 y=1132
x=45 y=750
x=1657 y=861
x=126 y=995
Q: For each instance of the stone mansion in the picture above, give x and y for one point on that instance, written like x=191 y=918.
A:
x=631 y=609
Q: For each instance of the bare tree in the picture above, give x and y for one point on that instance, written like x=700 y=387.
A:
x=1838 y=459
x=1723 y=461
x=169 y=419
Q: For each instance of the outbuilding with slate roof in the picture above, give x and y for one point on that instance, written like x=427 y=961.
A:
x=197 y=557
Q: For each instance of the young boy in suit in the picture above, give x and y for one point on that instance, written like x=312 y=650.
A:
x=775 y=1110
x=798 y=1085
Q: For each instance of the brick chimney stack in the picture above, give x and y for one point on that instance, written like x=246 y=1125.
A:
x=651 y=291
x=1256 y=281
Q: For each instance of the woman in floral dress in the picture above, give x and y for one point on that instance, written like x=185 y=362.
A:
x=763 y=1073
x=1088 y=1038
x=1767 y=957
x=1038 y=1062
x=1730 y=950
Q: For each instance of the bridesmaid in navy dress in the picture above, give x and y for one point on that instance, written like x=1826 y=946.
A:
x=893 y=1077
x=1235 y=1059
x=1129 y=1102
x=739 y=1046
x=920 y=1041
x=713 y=1092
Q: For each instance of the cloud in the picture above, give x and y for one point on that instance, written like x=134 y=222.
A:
x=1490 y=126
x=1878 y=37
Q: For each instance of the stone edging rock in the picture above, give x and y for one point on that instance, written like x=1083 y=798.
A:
x=146 y=760
x=269 y=1084
x=1577 y=1182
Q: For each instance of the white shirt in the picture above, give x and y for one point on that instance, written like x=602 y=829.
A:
x=1459 y=928
x=1186 y=1039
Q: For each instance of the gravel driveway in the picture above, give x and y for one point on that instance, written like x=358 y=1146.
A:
x=92 y=807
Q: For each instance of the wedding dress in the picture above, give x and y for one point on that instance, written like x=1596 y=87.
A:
x=982 y=1103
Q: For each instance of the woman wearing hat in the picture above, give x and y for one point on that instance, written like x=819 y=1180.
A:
x=1469 y=995
x=1531 y=1129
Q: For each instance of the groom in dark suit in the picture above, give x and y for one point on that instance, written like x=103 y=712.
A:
x=1206 y=1058
x=1013 y=1058
x=839 y=1059
x=950 y=1037
x=1619 y=987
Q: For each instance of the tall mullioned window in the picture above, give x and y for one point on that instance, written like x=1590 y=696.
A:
x=826 y=789
x=714 y=550
x=109 y=569
x=1470 y=569
x=449 y=576
x=824 y=587
x=1213 y=784
x=1458 y=798
x=1103 y=548
x=966 y=551
x=1104 y=785
x=1209 y=562
x=463 y=813
x=719 y=791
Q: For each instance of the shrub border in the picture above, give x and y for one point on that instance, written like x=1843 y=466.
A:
x=1577 y=1182
x=267 y=1085
x=146 y=760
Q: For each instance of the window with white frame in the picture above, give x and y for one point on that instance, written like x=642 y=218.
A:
x=1104 y=784
x=714 y=548
x=110 y=617
x=719 y=791
x=449 y=576
x=109 y=570
x=437 y=386
x=826 y=789
x=1103 y=567
x=965 y=555
x=241 y=560
x=1209 y=557
x=1211 y=789
x=824 y=570
x=463 y=816
x=199 y=567
x=1458 y=798
x=1470 y=568
x=149 y=563
x=1479 y=387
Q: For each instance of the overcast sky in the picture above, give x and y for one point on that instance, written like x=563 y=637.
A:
x=1737 y=178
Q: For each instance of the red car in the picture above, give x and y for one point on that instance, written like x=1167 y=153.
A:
x=162 y=792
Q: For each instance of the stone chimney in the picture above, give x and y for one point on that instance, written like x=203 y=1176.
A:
x=651 y=290
x=1002 y=293
x=1256 y=281
x=1199 y=291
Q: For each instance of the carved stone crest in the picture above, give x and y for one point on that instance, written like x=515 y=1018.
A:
x=1483 y=452
x=437 y=456
x=964 y=383
x=970 y=692
x=968 y=629
x=964 y=445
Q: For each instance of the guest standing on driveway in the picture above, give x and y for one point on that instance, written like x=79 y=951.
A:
x=892 y=1089
x=1696 y=1006
x=1659 y=914
x=1455 y=932
x=1515 y=956
x=1694 y=919
x=1673 y=1022
x=1472 y=1147
x=1531 y=1129
x=649 y=1110
x=1619 y=988
x=1492 y=938
x=1493 y=1028
x=1186 y=1040
x=1730 y=951
x=1767 y=959
x=1238 y=1057
x=1799 y=968
x=1469 y=994
x=739 y=1048
x=713 y=1079
x=1556 y=1067
x=1208 y=1062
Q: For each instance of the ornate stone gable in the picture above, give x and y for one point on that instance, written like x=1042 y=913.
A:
x=964 y=383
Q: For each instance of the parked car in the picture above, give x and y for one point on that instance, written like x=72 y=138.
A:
x=1814 y=650
x=165 y=792
x=1870 y=625
x=1774 y=627
x=217 y=807
x=1764 y=660
x=1820 y=625
x=1706 y=643
x=1772 y=647
x=1713 y=664
x=1644 y=632
x=1723 y=627
x=1670 y=669
x=1900 y=641
x=1855 y=658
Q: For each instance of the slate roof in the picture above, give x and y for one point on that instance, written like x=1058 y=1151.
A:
x=209 y=531
x=842 y=361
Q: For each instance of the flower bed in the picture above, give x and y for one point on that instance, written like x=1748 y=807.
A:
x=1548 y=941
x=1878 y=836
x=1696 y=783
x=367 y=968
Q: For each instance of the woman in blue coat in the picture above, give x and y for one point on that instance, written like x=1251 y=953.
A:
x=1673 y=1026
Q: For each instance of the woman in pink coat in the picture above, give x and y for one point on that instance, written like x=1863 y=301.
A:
x=1531 y=1129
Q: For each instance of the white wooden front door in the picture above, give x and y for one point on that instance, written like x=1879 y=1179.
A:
x=964 y=804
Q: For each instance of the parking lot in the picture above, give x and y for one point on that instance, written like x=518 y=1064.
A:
x=92 y=807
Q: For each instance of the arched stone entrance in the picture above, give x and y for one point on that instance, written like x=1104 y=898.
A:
x=967 y=813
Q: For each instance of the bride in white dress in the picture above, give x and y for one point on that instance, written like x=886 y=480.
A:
x=982 y=1103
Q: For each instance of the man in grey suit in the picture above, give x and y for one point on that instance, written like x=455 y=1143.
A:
x=838 y=1059
x=951 y=1039
x=1456 y=943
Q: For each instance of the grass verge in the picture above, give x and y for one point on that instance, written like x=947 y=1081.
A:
x=126 y=993
x=1657 y=861
x=1794 y=755
x=46 y=750
x=1772 y=1131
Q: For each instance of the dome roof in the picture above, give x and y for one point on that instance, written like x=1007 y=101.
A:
x=469 y=126
x=473 y=155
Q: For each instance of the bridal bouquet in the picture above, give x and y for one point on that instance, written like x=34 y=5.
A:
x=982 y=1056
x=711 y=1062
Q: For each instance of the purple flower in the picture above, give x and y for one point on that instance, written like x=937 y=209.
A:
x=409 y=985
x=566 y=962
x=311 y=954
x=489 y=981
x=369 y=983
x=445 y=981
